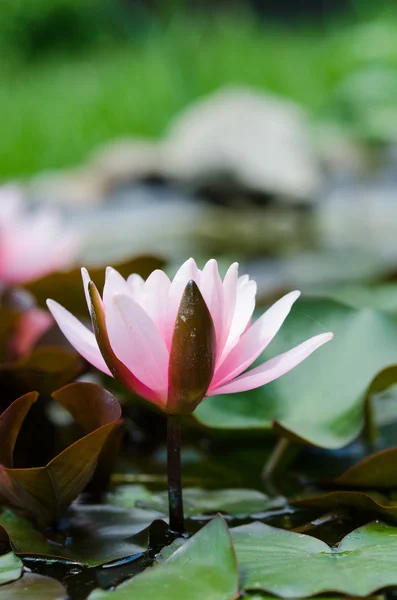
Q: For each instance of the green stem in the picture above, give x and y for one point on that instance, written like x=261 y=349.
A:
x=370 y=427
x=275 y=458
x=174 y=474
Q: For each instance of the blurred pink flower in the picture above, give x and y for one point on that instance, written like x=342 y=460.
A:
x=32 y=324
x=139 y=323
x=31 y=244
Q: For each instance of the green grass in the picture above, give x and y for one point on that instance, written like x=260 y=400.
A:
x=56 y=111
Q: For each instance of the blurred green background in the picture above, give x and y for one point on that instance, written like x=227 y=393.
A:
x=75 y=74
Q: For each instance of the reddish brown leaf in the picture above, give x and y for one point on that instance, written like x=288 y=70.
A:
x=44 y=493
x=377 y=471
x=369 y=502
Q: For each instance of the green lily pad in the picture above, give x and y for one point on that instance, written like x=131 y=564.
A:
x=203 y=568
x=369 y=502
x=380 y=297
x=293 y=565
x=34 y=587
x=320 y=402
x=236 y=502
x=95 y=534
x=10 y=568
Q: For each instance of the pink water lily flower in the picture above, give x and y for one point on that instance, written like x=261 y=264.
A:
x=32 y=244
x=139 y=324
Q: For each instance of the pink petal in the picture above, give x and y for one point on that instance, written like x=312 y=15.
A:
x=137 y=342
x=155 y=299
x=31 y=326
x=81 y=338
x=254 y=341
x=136 y=283
x=273 y=368
x=114 y=284
x=229 y=305
x=245 y=304
x=86 y=280
x=212 y=290
x=186 y=272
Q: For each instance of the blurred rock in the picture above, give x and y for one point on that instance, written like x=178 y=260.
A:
x=341 y=155
x=234 y=146
x=69 y=188
x=241 y=141
x=126 y=161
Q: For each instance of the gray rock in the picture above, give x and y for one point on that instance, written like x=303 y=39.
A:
x=244 y=139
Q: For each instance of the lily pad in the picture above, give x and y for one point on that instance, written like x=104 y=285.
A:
x=236 y=502
x=321 y=401
x=34 y=587
x=66 y=287
x=204 y=567
x=10 y=568
x=293 y=565
x=369 y=502
x=92 y=535
x=381 y=297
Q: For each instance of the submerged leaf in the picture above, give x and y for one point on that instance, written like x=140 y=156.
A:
x=44 y=493
x=321 y=401
x=237 y=502
x=10 y=568
x=94 y=535
x=34 y=587
x=204 y=568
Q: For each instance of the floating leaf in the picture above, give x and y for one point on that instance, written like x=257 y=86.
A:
x=94 y=535
x=204 y=568
x=44 y=493
x=321 y=401
x=67 y=288
x=10 y=568
x=293 y=565
x=34 y=587
x=369 y=502
x=237 y=502
x=380 y=297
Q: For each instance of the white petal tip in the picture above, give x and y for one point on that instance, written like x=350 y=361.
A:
x=85 y=275
x=323 y=338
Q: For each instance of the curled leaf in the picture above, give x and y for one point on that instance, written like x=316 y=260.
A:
x=45 y=493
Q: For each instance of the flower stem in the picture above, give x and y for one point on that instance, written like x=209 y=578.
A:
x=276 y=457
x=371 y=432
x=174 y=473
